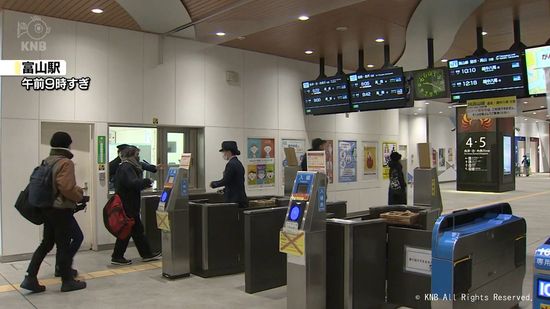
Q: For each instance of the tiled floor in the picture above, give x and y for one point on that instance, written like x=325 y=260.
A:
x=147 y=289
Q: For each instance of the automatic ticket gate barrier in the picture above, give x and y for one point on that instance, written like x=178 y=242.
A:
x=303 y=239
x=541 y=282
x=173 y=220
x=478 y=258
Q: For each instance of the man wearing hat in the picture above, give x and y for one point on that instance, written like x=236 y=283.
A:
x=113 y=165
x=233 y=176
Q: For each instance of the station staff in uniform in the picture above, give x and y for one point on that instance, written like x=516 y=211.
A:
x=233 y=176
x=113 y=165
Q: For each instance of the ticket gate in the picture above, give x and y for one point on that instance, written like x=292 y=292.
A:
x=303 y=239
x=477 y=254
x=173 y=220
x=541 y=280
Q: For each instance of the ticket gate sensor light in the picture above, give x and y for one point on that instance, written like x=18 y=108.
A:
x=173 y=220
x=303 y=239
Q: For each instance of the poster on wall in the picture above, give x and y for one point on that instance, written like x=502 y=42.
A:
x=299 y=146
x=434 y=158
x=441 y=159
x=450 y=156
x=261 y=162
x=316 y=161
x=329 y=156
x=347 y=161
x=387 y=149
x=370 y=167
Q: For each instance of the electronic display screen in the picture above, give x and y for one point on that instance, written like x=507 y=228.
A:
x=326 y=96
x=507 y=154
x=538 y=69
x=170 y=179
x=543 y=288
x=493 y=75
x=296 y=212
x=302 y=188
x=164 y=196
x=380 y=89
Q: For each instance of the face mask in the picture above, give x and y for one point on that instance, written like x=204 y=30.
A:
x=224 y=157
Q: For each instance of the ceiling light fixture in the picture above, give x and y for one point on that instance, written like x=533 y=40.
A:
x=303 y=18
x=441 y=112
x=342 y=28
x=534 y=113
x=427 y=103
x=444 y=60
x=220 y=33
x=484 y=33
x=524 y=119
x=542 y=106
x=370 y=65
x=380 y=40
x=308 y=52
x=419 y=109
x=241 y=38
x=416 y=114
x=97 y=11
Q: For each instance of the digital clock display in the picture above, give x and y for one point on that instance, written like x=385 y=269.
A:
x=492 y=75
x=326 y=96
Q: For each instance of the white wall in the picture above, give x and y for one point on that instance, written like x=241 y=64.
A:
x=443 y=135
x=540 y=130
x=188 y=88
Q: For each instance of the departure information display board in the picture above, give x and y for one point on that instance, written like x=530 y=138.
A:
x=381 y=89
x=493 y=75
x=326 y=96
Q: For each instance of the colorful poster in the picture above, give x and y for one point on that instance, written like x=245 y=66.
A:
x=434 y=158
x=299 y=146
x=347 y=161
x=261 y=162
x=387 y=149
x=370 y=166
x=450 y=156
x=329 y=154
x=441 y=159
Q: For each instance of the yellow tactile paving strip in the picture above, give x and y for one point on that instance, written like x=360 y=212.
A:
x=90 y=276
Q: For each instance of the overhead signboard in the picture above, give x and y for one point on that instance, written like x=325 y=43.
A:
x=326 y=96
x=380 y=89
x=492 y=108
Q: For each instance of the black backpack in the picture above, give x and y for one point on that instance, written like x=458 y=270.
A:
x=41 y=190
x=28 y=211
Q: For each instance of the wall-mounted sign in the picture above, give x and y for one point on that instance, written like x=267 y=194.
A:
x=261 y=162
x=347 y=161
x=502 y=107
x=316 y=161
x=101 y=150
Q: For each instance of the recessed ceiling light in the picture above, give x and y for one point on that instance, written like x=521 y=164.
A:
x=370 y=65
x=416 y=114
x=484 y=33
x=525 y=102
x=450 y=107
x=342 y=28
x=308 y=52
x=427 y=103
x=444 y=60
x=97 y=11
x=241 y=38
x=303 y=18
x=380 y=40
x=220 y=33
x=524 y=119
x=419 y=109
x=534 y=113
x=542 y=106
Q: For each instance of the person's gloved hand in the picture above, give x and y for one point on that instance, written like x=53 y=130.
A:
x=85 y=199
x=147 y=182
x=79 y=207
x=212 y=185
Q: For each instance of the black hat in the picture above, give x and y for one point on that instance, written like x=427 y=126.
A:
x=122 y=147
x=230 y=146
x=61 y=140
x=316 y=143
x=395 y=156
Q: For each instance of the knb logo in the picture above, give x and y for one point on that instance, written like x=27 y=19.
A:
x=36 y=29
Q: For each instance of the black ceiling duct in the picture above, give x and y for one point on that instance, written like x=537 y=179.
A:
x=340 y=65
x=518 y=45
x=480 y=50
x=387 y=61
x=321 y=68
x=430 y=53
x=361 y=61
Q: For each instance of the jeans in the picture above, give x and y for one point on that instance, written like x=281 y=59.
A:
x=61 y=229
x=141 y=242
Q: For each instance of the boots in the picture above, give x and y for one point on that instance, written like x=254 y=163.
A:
x=32 y=284
x=73 y=271
x=72 y=285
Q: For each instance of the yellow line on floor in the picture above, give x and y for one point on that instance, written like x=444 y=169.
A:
x=89 y=276
x=511 y=199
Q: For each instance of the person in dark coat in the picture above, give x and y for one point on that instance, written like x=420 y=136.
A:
x=129 y=183
x=317 y=144
x=233 y=176
x=114 y=164
x=397 y=194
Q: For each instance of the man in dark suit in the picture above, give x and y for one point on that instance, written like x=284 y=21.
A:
x=233 y=176
x=113 y=165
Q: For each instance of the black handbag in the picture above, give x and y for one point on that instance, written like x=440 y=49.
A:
x=29 y=212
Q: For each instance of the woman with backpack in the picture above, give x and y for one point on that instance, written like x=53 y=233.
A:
x=60 y=226
x=397 y=194
x=129 y=183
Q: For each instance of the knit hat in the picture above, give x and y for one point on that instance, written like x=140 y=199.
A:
x=61 y=140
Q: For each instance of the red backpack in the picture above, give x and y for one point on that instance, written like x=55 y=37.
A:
x=115 y=219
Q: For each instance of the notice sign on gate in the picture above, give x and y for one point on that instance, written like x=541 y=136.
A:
x=502 y=107
x=418 y=260
x=292 y=243
x=101 y=151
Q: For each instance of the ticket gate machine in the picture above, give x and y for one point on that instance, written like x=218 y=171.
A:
x=173 y=220
x=303 y=239
x=478 y=253
x=541 y=283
